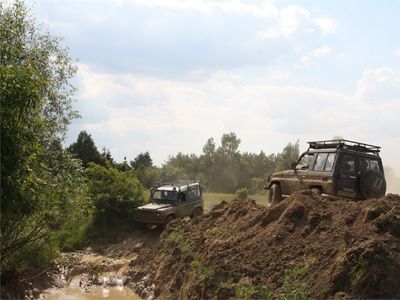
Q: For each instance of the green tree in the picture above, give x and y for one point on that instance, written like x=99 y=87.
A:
x=107 y=157
x=41 y=185
x=225 y=169
x=115 y=194
x=85 y=149
x=142 y=159
x=229 y=144
x=289 y=154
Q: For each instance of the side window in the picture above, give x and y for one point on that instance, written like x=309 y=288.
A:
x=182 y=196
x=305 y=161
x=348 y=167
x=365 y=164
x=320 y=161
x=194 y=195
x=330 y=161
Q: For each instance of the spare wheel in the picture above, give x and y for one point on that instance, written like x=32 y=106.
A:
x=372 y=184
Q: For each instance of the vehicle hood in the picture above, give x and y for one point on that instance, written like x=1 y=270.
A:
x=283 y=173
x=154 y=206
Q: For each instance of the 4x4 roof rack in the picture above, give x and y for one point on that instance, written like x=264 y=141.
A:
x=345 y=144
x=177 y=183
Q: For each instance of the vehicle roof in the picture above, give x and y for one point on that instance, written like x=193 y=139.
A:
x=343 y=145
x=333 y=150
x=176 y=186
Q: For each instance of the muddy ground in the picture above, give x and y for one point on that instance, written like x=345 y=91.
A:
x=303 y=247
x=103 y=263
x=306 y=246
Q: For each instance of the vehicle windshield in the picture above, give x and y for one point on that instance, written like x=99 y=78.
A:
x=164 y=196
x=305 y=161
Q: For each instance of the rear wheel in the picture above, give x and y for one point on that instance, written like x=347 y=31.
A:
x=275 y=194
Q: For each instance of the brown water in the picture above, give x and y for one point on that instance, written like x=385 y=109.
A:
x=74 y=292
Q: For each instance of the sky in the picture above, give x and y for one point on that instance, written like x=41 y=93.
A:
x=165 y=75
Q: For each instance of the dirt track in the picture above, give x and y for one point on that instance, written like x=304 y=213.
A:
x=304 y=246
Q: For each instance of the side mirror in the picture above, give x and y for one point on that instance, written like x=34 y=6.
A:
x=293 y=165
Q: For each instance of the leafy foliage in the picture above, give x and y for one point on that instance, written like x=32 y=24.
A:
x=143 y=159
x=42 y=186
x=85 y=149
x=242 y=194
x=114 y=192
x=289 y=154
x=224 y=168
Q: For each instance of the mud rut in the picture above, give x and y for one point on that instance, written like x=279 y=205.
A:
x=102 y=264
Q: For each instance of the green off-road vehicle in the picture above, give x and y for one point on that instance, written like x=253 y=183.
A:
x=336 y=167
x=169 y=201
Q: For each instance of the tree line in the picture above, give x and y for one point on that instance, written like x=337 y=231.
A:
x=220 y=168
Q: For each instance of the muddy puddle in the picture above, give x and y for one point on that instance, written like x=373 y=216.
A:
x=98 y=271
x=91 y=276
x=74 y=291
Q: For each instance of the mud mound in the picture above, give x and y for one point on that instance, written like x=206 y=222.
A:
x=305 y=246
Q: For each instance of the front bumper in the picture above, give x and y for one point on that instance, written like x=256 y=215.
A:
x=149 y=217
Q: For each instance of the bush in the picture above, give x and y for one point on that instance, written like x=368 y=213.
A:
x=242 y=194
x=115 y=194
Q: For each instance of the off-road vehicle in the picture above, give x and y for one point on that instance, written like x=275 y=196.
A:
x=335 y=167
x=169 y=201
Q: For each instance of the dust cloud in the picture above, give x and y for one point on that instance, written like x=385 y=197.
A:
x=392 y=181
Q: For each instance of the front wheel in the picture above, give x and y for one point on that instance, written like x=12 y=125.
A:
x=197 y=212
x=275 y=194
x=167 y=220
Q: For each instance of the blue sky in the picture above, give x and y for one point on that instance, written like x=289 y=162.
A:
x=165 y=75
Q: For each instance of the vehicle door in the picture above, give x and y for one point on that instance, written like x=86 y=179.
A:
x=297 y=178
x=347 y=177
x=322 y=171
x=182 y=204
x=197 y=199
x=193 y=197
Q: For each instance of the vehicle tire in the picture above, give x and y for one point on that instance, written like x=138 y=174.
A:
x=197 y=212
x=316 y=191
x=372 y=184
x=275 y=194
x=167 y=220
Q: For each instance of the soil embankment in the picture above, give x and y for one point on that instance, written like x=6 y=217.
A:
x=304 y=246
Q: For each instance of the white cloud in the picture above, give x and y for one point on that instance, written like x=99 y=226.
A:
x=172 y=112
x=265 y=9
x=290 y=20
x=397 y=52
x=316 y=54
x=379 y=85
x=326 y=25
x=282 y=23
